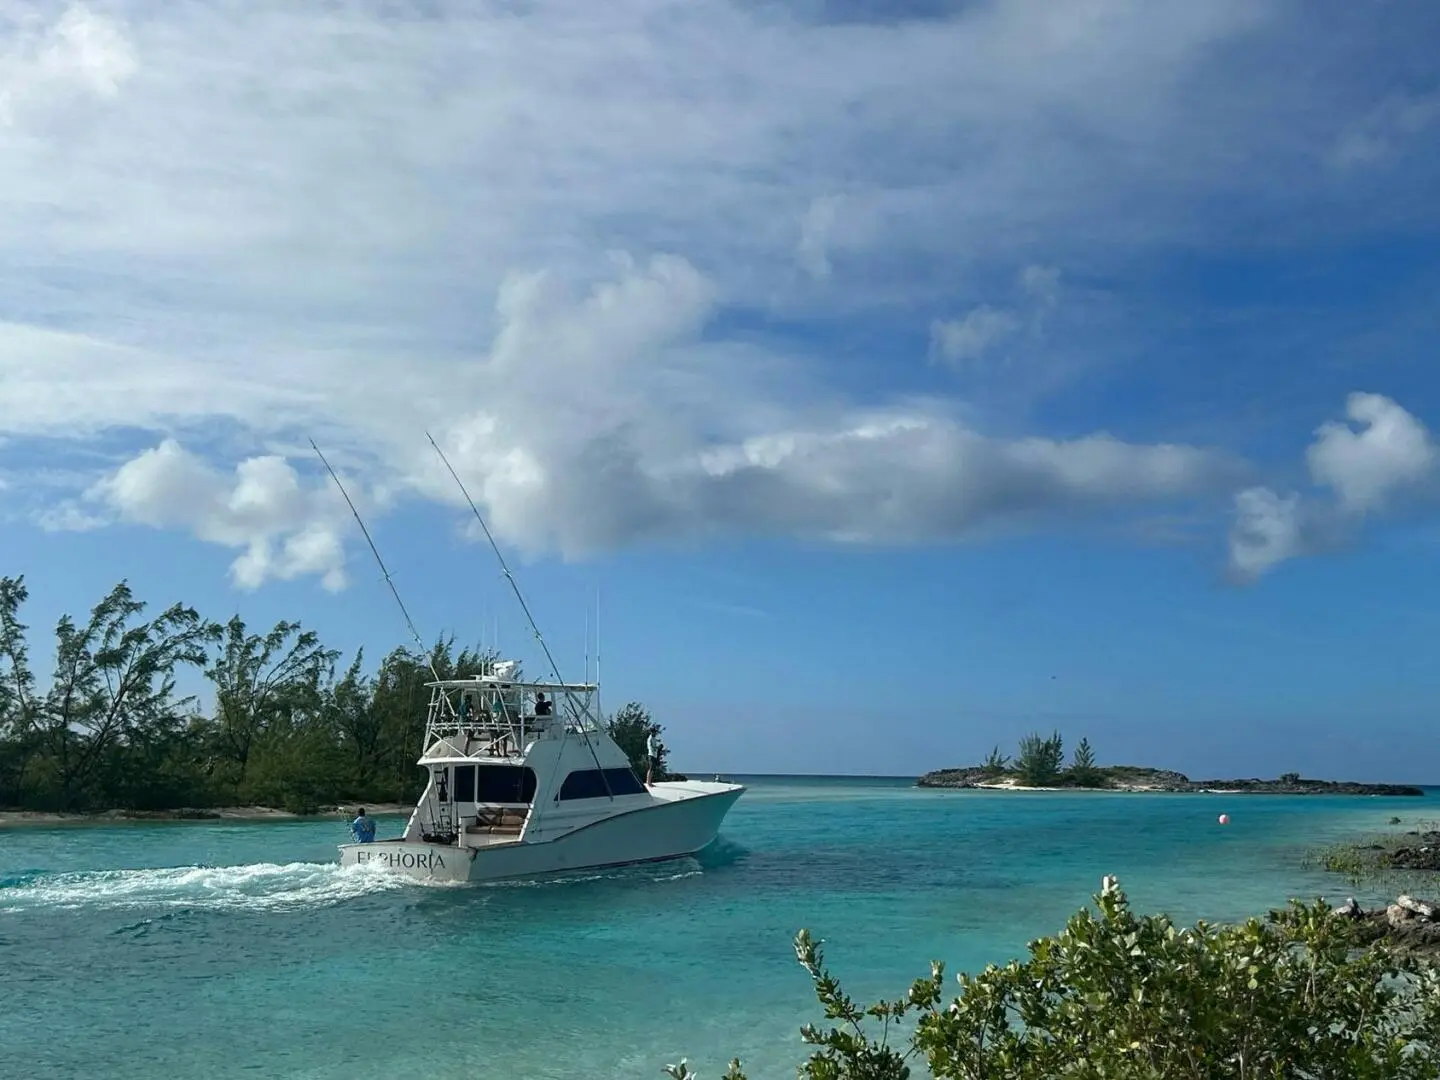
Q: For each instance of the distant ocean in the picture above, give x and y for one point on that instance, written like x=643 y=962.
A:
x=227 y=950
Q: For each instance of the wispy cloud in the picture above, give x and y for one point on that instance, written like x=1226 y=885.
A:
x=984 y=328
x=1388 y=130
x=974 y=335
x=812 y=251
x=69 y=517
x=365 y=220
x=46 y=67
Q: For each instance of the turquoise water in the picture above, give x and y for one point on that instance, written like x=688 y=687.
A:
x=223 y=950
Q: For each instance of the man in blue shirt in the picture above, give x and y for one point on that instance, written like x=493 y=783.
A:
x=363 y=827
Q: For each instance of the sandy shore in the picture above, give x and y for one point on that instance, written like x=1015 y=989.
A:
x=1015 y=785
x=11 y=818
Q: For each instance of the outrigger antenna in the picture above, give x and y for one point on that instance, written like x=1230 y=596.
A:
x=599 y=709
x=429 y=659
x=554 y=668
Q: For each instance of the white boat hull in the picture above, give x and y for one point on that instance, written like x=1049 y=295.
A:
x=684 y=819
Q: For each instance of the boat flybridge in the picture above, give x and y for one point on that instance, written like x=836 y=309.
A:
x=523 y=781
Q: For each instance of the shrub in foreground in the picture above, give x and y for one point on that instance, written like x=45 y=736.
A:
x=1115 y=996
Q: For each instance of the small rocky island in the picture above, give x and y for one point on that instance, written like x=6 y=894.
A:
x=1137 y=778
x=1040 y=765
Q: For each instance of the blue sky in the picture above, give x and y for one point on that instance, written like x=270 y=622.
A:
x=904 y=378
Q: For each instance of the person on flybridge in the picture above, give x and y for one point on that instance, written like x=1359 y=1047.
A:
x=542 y=706
x=649 y=758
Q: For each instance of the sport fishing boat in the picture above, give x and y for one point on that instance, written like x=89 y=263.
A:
x=523 y=782
x=522 y=778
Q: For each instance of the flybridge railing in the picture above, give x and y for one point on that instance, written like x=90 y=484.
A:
x=504 y=718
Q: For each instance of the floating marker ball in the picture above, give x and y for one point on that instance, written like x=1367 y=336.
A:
x=1224 y=819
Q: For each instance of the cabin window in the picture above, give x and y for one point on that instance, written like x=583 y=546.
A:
x=503 y=783
x=588 y=784
x=462 y=788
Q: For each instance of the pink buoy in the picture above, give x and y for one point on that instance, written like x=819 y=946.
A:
x=1224 y=819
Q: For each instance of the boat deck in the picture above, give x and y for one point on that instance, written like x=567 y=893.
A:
x=484 y=838
x=495 y=825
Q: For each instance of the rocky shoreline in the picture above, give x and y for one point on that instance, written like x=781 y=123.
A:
x=1421 y=853
x=1407 y=924
x=1128 y=778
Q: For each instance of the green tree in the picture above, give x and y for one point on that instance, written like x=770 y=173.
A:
x=19 y=710
x=1040 y=760
x=398 y=697
x=349 y=706
x=632 y=729
x=1083 y=772
x=259 y=681
x=997 y=764
x=114 y=684
x=1115 y=995
x=285 y=727
x=399 y=700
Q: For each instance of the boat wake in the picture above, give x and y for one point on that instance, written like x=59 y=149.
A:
x=257 y=887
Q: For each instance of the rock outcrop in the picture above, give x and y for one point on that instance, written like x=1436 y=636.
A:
x=1422 y=853
x=1408 y=923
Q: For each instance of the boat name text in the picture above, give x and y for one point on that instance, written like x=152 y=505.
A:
x=403 y=860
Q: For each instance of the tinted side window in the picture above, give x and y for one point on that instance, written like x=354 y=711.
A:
x=462 y=788
x=589 y=784
x=505 y=784
x=624 y=782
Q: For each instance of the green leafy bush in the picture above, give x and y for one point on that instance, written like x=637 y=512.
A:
x=1115 y=996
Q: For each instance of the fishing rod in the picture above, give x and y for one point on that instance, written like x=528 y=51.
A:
x=429 y=658
x=534 y=629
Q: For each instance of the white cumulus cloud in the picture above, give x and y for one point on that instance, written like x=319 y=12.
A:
x=600 y=417
x=285 y=527
x=1391 y=451
x=1386 y=455
x=605 y=420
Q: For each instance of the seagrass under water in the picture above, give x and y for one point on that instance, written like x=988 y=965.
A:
x=240 y=950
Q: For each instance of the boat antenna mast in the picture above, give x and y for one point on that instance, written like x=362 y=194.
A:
x=426 y=653
x=524 y=607
x=599 y=709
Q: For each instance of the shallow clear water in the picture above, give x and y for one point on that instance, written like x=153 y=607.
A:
x=225 y=950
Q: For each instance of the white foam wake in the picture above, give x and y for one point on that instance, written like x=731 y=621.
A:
x=257 y=887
